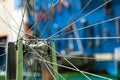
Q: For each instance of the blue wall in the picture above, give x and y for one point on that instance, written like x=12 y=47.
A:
x=62 y=19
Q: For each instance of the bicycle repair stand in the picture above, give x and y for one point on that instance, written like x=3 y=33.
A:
x=14 y=68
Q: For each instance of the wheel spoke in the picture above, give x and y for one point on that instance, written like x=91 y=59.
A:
x=80 y=18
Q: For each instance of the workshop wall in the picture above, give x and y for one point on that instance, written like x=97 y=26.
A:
x=62 y=15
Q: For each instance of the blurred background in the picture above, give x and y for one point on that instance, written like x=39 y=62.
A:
x=87 y=32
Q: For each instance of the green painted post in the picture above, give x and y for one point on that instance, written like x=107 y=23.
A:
x=54 y=60
x=19 y=74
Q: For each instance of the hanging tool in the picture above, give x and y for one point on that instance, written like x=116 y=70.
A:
x=84 y=23
x=62 y=3
x=117 y=23
x=87 y=33
x=90 y=34
x=41 y=14
x=108 y=8
x=79 y=44
x=105 y=33
x=97 y=43
x=70 y=42
x=52 y=11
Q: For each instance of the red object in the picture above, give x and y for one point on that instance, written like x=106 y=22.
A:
x=60 y=7
x=42 y=16
x=64 y=3
x=27 y=28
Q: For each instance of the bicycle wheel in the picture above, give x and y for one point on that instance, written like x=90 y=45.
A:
x=38 y=53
